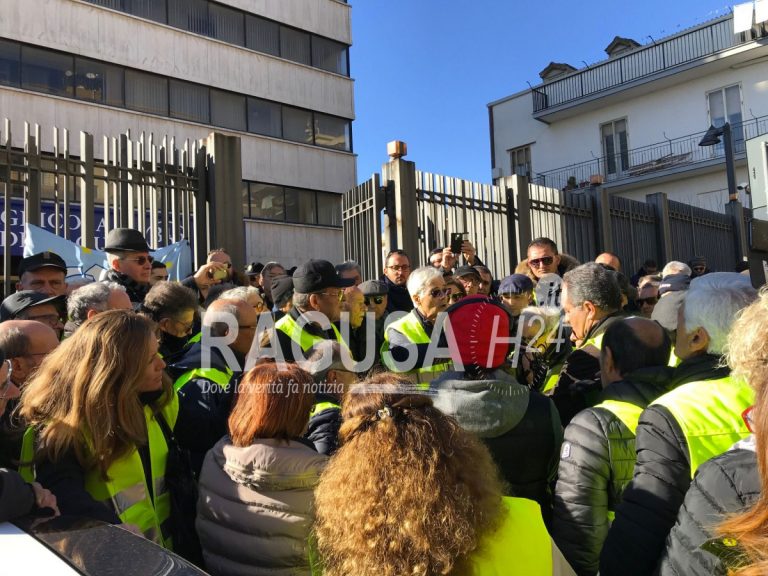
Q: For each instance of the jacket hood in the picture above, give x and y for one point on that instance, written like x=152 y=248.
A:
x=270 y=464
x=488 y=407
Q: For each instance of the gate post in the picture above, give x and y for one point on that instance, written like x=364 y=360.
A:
x=524 y=231
x=402 y=214
x=735 y=210
x=661 y=206
x=602 y=203
x=87 y=192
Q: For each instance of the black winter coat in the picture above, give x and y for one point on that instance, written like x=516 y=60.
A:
x=16 y=496
x=597 y=461
x=727 y=484
x=323 y=428
x=662 y=476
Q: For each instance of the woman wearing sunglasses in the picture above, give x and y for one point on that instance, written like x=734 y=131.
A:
x=406 y=347
x=99 y=412
x=17 y=497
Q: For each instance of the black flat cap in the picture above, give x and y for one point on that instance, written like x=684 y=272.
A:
x=125 y=239
x=254 y=268
x=16 y=303
x=466 y=271
x=374 y=288
x=42 y=260
x=316 y=276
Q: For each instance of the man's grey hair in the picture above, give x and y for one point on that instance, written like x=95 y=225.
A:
x=676 y=267
x=13 y=342
x=713 y=302
x=301 y=300
x=239 y=293
x=317 y=360
x=92 y=296
x=349 y=265
x=594 y=283
x=420 y=277
x=219 y=328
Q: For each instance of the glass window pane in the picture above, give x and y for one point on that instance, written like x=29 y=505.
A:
x=332 y=132
x=262 y=35
x=146 y=93
x=189 y=15
x=98 y=82
x=264 y=117
x=329 y=55
x=189 y=102
x=10 y=63
x=228 y=110
x=716 y=108
x=294 y=45
x=328 y=209
x=226 y=24
x=45 y=71
x=246 y=200
x=300 y=206
x=267 y=201
x=149 y=9
x=297 y=125
x=733 y=104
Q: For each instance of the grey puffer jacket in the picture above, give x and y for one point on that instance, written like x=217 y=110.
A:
x=255 y=508
x=597 y=462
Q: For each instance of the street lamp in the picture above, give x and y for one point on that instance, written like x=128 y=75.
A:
x=711 y=138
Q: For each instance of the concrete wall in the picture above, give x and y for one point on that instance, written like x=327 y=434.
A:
x=292 y=244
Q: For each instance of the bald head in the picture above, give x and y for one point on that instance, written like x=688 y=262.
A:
x=631 y=344
x=609 y=259
x=245 y=318
x=26 y=343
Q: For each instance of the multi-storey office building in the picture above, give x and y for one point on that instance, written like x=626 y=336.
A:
x=633 y=122
x=273 y=72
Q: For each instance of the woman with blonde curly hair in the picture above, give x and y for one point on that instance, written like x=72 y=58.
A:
x=410 y=492
x=96 y=410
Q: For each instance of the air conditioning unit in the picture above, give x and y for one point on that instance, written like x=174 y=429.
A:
x=757 y=161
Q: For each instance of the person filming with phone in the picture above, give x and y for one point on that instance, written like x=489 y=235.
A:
x=216 y=270
x=447 y=258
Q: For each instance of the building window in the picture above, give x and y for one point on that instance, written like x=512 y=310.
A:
x=615 y=147
x=98 y=82
x=191 y=15
x=189 y=102
x=228 y=110
x=294 y=45
x=520 y=159
x=10 y=63
x=329 y=55
x=264 y=118
x=297 y=125
x=46 y=71
x=291 y=205
x=724 y=105
x=227 y=24
x=332 y=132
x=262 y=35
x=146 y=93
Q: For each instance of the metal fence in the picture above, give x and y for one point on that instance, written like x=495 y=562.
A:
x=154 y=186
x=417 y=211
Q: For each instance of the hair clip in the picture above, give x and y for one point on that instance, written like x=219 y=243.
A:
x=385 y=412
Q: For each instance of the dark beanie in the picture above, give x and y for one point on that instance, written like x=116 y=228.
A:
x=282 y=290
x=674 y=283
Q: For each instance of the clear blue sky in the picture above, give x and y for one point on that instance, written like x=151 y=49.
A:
x=425 y=70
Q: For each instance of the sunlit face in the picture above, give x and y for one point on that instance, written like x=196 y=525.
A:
x=153 y=370
x=48 y=314
x=158 y=275
x=542 y=260
x=433 y=298
x=398 y=269
x=180 y=325
x=257 y=303
x=136 y=265
x=376 y=304
x=47 y=280
x=455 y=295
x=515 y=303
x=42 y=341
x=647 y=299
x=471 y=284
x=354 y=303
x=484 y=286
x=576 y=316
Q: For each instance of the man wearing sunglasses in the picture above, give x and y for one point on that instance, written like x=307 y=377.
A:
x=375 y=297
x=29 y=305
x=543 y=258
x=129 y=261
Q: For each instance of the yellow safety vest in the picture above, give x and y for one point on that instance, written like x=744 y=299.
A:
x=709 y=414
x=288 y=326
x=554 y=377
x=320 y=406
x=126 y=486
x=410 y=326
x=215 y=375
x=520 y=546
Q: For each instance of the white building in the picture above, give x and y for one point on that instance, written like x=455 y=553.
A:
x=634 y=121
x=273 y=72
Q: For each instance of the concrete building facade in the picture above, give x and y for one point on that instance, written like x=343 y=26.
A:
x=633 y=121
x=273 y=72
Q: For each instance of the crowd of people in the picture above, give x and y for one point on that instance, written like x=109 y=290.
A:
x=569 y=418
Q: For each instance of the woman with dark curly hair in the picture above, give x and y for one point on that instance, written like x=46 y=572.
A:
x=410 y=492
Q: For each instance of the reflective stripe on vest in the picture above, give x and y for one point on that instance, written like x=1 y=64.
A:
x=410 y=326
x=521 y=545
x=320 y=406
x=26 y=462
x=551 y=382
x=628 y=413
x=212 y=374
x=709 y=415
x=288 y=326
x=596 y=341
x=196 y=338
x=126 y=485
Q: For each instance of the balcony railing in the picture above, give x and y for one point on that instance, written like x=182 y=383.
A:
x=652 y=159
x=642 y=62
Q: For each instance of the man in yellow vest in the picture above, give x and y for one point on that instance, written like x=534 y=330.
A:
x=205 y=379
x=317 y=297
x=598 y=454
x=697 y=420
x=591 y=300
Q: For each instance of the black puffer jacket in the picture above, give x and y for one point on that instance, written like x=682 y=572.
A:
x=323 y=427
x=519 y=426
x=596 y=464
x=662 y=476
x=725 y=485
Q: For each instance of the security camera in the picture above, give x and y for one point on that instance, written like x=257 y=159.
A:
x=743 y=186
